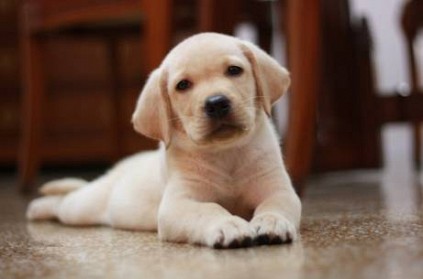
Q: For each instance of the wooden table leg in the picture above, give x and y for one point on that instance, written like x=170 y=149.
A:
x=303 y=54
x=416 y=127
x=33 y=91
x=417 y=145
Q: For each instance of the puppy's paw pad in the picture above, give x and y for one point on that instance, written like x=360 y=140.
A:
x=231 y=233
x=273 y=229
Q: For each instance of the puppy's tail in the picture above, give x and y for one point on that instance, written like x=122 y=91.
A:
x=62 y=186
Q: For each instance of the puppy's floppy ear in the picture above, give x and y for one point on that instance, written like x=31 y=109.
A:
x=152 y=113
x=272 y=80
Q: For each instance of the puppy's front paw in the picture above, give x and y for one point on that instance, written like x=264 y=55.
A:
x=230 y=232
x=272 y=228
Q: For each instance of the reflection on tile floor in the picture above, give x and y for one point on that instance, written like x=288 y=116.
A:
x=354 y=226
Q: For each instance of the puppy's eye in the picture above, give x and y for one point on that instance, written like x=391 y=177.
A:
x=234 y=71
x=183 y=85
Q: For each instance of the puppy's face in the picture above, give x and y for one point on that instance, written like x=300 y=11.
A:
x=210 y=89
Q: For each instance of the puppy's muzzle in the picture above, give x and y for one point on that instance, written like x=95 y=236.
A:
x=217 y=106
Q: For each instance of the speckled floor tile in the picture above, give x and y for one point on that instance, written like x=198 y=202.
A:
x=355 y=225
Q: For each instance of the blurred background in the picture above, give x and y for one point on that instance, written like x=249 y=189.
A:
x=70 y=73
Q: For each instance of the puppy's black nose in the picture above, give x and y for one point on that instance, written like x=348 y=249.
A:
x=217 y=106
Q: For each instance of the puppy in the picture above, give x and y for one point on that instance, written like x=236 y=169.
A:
x=218 y=178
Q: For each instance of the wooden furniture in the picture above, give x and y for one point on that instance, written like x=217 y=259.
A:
x=406 y=108
x=348 y=136
x=333 y=81
x=42 y=17
x=222 y=16
x=45 y=21
x=345 y=134
x=412 y=23
x=9 y=82
x=303 y=54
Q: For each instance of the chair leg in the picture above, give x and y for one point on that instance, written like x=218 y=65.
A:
x=303 y=53
x=417 y=145
x=33 y=89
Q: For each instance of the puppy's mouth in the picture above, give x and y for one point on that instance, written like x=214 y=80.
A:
x=226 y=130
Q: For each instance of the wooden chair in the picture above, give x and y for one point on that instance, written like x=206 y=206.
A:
x=412 y=22
x=40 y=17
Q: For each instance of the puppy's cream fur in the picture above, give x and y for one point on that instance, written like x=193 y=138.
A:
x=220 y=183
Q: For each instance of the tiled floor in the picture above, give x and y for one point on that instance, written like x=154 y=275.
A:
x=362 y=224
x=355 y=225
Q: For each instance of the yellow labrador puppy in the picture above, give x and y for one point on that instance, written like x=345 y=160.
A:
x=218 y=178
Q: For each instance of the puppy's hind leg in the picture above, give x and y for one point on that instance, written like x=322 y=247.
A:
x=84 y=206
x=43 y=208
x=46 y=207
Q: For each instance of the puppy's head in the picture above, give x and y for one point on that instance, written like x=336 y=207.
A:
x=211 y=88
